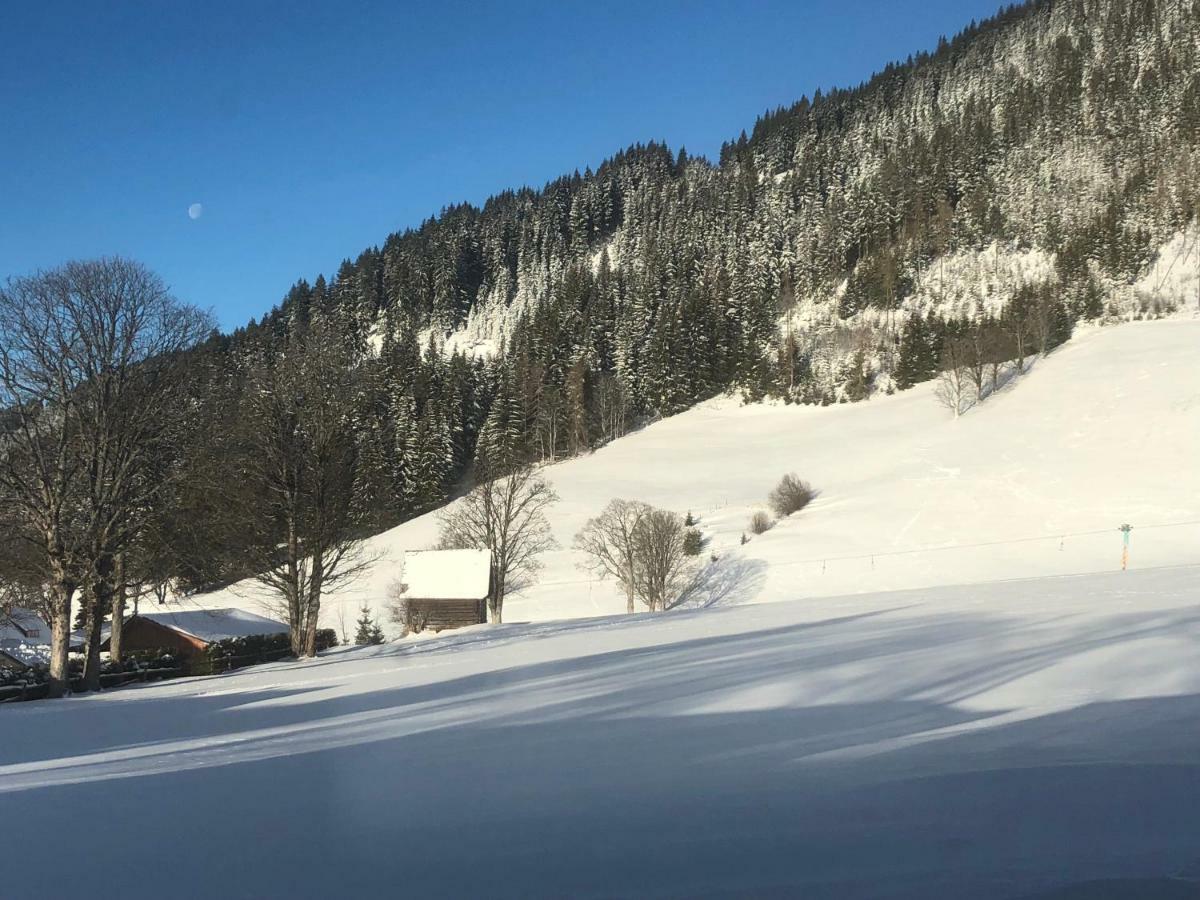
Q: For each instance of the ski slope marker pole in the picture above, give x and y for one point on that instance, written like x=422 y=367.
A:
x=1125 y=529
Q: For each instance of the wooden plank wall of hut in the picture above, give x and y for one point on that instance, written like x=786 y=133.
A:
x=439 y=615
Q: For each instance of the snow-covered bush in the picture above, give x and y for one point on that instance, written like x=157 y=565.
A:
x=760 y=522
x=791 y=495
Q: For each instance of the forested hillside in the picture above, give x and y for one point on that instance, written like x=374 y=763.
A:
x=1065 y=128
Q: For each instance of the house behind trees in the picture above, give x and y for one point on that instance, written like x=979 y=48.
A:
x=24 y=640
x=188 y=633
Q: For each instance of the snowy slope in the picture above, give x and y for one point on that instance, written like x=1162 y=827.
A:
x=996 y=741
x=1105 y=431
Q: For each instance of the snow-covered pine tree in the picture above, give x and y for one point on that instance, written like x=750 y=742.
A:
x=368 y=631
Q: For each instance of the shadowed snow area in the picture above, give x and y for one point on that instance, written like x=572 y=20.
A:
x=1027 y=738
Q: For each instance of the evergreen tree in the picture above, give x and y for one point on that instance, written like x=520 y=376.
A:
x=919 y=353
x=368 y=631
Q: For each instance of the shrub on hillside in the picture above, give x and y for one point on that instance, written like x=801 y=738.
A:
x=760 y=522
x=693 y=542
x=791 y=495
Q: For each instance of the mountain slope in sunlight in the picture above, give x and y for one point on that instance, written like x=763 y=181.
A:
x=1036 y=481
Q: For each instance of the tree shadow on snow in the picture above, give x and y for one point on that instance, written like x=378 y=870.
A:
x=726 y=581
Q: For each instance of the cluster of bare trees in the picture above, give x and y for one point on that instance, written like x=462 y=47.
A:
x=977 y=355
x=643 y=548
x=108 y=458
x=92 y=373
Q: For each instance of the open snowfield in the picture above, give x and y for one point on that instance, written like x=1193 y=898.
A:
x=1022 y=730
x=1105 y=431
x=997 y=740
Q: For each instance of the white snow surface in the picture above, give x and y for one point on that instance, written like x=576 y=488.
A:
x=447 y=574
x=998 y=740
x=1036 y=481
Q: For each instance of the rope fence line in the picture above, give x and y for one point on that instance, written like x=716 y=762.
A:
x=1059 y=536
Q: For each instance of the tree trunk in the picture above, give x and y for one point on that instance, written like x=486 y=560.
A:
x=310 y=633
x=496 y=601
x=118 y=612
x=295 y=618
x=313 y=607
x=91 y=648
x=100 y=600
x=496 y=596
x=629 y=607
x=296 y=602
x=60 y=639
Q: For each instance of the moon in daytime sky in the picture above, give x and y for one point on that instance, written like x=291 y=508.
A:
x=195 y=211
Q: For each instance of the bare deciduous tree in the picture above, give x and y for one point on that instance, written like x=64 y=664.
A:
x=1018 y=325
x=954 y=387
x=662 y=562
x=610 y=544
x=506 y=515
x=613 y=406
x=996 y=351
x=21 y=571
x=298 y=499
x=973 y=351
x=90 y=357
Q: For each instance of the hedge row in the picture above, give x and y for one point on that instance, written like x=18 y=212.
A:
x=134 y=662
x=219 y=656
x=233 y=653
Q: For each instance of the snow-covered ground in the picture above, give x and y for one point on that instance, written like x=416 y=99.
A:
x=937 y=703
x=1036 y=481
x=999 y=740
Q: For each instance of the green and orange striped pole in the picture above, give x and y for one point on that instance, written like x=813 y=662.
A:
x=1125 y=529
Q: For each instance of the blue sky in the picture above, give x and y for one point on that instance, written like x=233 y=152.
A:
x=308 y=132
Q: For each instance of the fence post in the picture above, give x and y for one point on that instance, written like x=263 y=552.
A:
x=1125 y=529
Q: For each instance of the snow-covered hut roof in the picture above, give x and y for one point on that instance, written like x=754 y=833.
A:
x=23 y=623
x=211 y=625
x=447 y=574
x=26 y=654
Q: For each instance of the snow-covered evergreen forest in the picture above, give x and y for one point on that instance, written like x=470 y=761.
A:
x=808 y=263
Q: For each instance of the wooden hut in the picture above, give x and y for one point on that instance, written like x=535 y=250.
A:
x=187 y=632
x=446 y=588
